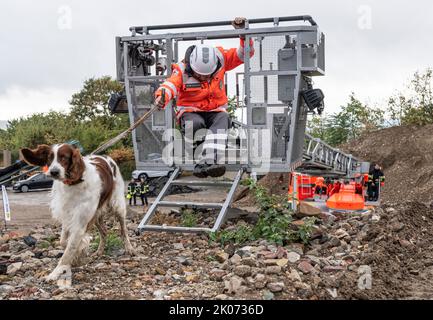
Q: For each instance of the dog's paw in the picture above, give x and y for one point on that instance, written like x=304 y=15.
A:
x=59 y=271
x=131 y=252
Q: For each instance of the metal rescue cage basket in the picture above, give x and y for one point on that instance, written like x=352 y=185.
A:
x=273 y=132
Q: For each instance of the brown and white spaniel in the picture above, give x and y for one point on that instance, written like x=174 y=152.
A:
x=85 y=190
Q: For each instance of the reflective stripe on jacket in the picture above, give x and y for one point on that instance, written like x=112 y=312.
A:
x=195 y=96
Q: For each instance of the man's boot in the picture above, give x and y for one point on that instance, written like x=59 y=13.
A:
x=216 y=170
x=200 y=170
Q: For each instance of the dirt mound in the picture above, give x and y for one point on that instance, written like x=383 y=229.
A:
x=398 y=253
x=406 y=155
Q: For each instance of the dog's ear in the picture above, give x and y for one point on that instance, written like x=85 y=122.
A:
x=38 y=156
x=77 y=166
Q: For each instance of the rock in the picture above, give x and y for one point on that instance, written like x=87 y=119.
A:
x=341 y=233
x=160 y=271
x=217 y=274
x=4 y=288
x=236 y=259
x=305 y=267
x=221 y=256
x=242 y=271
x=328 y=218
x=273 y=270
x=26 y=255
x=405 y=243
x=178 y=246
x=294 y=276
x=304 y=291
x=333 y=242
x=298 y=223
x=249 y=261
x=313 y=259
x=15 y=234
x=267 y=295
x=375 y=218
x=308 y=209
x=192 y=278
x=275 y=286
x=293 y=257
x=55 y=253
x=282 y=262
x=333 y=268
x=332 y=292
x=221 y=297
x=230 y=249
x=295 y=247
x=397 y=226
x=390 y=210
x=244 y=251
x=3 y=268
x=260 y=281
x=314 y=252
x=14 y=268
x=30 y=241
x=233 y=285
x=183 y=261
x=270 y=262
x=101 y=266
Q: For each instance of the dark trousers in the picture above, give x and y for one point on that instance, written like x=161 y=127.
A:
x=373 y=192
x=216 y=122
x=134 y=196
x=143 y=198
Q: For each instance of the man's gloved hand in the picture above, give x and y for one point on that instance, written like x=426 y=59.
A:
x=159 y=102
x=239 y=23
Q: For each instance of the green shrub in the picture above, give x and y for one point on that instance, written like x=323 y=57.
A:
x=188 y=218
x=274 y=223
x=112 y=243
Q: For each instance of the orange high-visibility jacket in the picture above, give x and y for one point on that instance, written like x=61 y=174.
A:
x=195 y=96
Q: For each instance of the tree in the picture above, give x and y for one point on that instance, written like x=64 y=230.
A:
x=91 y=102
x=317 y=126
x=354 y=119
x=415 y=106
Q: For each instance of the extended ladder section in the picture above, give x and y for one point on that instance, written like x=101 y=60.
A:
x=319 y=158
x=159 y=202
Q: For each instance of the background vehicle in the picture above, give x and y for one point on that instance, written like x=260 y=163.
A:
x=138 y=174
x=37 y=181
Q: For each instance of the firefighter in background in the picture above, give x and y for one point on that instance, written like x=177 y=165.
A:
x=144 y=189
x=321 y=187
x=132 y=187
x=197 y=83
x=375 y=178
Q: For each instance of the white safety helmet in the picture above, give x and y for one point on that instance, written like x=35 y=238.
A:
x=203 y=59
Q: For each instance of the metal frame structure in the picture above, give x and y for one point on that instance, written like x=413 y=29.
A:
x=285 y=59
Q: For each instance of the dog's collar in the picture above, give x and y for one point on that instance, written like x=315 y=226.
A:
x=70 y=182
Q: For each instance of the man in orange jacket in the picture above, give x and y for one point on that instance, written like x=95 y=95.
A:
x=197 y=83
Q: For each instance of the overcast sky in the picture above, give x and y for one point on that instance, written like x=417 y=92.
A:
x=49 y=47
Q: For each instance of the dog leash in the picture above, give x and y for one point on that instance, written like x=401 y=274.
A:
x=125 y=133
